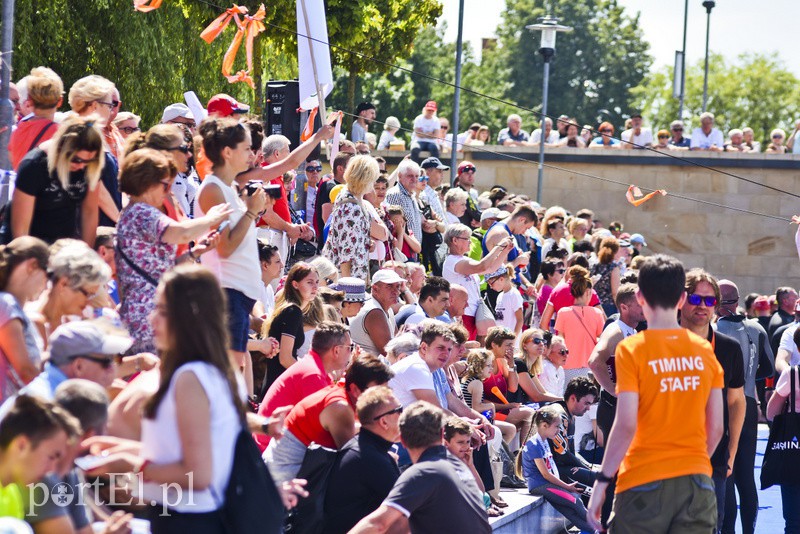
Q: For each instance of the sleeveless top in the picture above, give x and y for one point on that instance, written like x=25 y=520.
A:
x=241 y=270
x=465 y=390
x=603 y=285
x=360 y=335
x=611 y=365
x=512 y=254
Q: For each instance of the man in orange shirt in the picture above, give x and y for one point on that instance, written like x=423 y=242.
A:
x=669 y=418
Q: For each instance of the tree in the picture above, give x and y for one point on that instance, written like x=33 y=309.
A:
x=595 y=66
x=757 y=91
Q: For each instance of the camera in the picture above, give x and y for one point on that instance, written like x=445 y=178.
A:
x=272 y=190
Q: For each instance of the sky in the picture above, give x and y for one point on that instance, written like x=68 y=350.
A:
x=737 y=26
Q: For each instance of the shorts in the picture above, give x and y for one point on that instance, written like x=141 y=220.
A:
x=239 y=308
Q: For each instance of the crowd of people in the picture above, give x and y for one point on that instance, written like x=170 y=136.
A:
x=399 y=348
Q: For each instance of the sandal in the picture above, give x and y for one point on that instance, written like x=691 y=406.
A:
x=494 y=511
x=499 y=502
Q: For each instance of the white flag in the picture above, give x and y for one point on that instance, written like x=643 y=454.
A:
x=314 y=34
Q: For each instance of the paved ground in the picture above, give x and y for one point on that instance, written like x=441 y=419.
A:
x=770 y=514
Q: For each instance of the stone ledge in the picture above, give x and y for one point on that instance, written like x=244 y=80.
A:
x=526 y=514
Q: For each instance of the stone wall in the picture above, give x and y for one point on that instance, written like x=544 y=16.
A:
x=758 y=253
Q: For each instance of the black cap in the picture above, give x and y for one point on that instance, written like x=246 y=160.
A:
x=433 y=163
x=364 y=106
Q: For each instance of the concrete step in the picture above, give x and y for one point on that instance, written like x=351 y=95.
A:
x=526 y=514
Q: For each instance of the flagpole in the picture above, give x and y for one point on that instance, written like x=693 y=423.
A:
x=320 y=96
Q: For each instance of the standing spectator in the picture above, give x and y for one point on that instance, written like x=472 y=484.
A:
x=572 y=139
x=580 y=325
x=606 y=138
x=349 y=240
x=427 y=131
x=552 y=272
x=147 y=239
x=653 y=426
x=607 y=274
x=365 y=113
x=663 y=140
x=513 y=134
x=637 y=137
x=178 y=113
x=437 y=493
x=508 y=307
x=23 y=277
x=776 y=146
x=786 y=297
x=736 y=142
x=45 y=91
x=389 y=135
x=57 y=191
x=324 y=204
x=309 y=182
x=286 y=322
x=466 y=181
x=403 y=193
x=707 y=137
x=678 y=141
x=779 y=403
x=127 y=123
x=374 y=325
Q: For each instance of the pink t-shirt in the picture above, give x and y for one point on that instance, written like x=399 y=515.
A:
x=544 y=294
x=580 y=326
x=561 y=297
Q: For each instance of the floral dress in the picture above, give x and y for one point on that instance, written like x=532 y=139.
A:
x=603 y=285
x=139 y=233
x=348 y=237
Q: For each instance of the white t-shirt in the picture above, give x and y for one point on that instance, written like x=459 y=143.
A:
x=701 y=140
x=788 y=344
x=428 y=126
x=508 y=302
x=644 y=138
x=784 y=388
x=410 y=373
x=471 y=283
x=552 y=137
x=267 y=299
x=583 y=425
x=552 y=378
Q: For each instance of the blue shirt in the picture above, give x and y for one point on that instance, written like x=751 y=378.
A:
x=537 y=447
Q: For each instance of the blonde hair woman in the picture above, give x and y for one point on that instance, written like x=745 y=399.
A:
x=348 y=242
x=127 y=123
x=44 y=96
x=533 y=346
x=58 y=182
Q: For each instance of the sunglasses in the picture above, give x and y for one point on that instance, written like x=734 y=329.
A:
x=563 y=352
x=80 y=161
x=663 y=137
x=314 y=169
x=130 y=129
x=468 y=168
x=445 y=127
x=677 y=129
x=399 y=409
x=105 y=363
x=184 y=148
x=604 y=130
x=538 y=341
x=777 y=137
x=423 y=178
x=562 y=271
x=695 y=300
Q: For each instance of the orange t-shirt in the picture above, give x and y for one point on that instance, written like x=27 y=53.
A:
x=673 y=371
x=580 y=329
x=22 y=138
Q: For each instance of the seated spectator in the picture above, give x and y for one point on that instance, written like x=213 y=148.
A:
x=326 y=418
x=678 y=141
x=374 y=325
x=736 y=142
x=437 y=493
x=23 y=277
x=636 y=137
x=552 y=377
x=33 y=437
x=389 y=135
x=427 y=132
x=433 y=300
x=579 y=396
x=535 y=464
x=572 y=139
x=776 y=146
x=105 y=245
x=401 y=346
x=45 y=90
x=551 y=136
x=479 y=368
x=748 y=135
x=513 y=134
x=366 y=472
x=663 y=140
x=707 y=137
x=331 y=349
x=529 y=364
x=606 y=138
x=355 y=295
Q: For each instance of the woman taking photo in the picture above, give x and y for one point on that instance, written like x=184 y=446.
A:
x=286 y=322
x=349 y=241
x=607 y=273
x=146 y=238
x=56 y=192
x=23 y=276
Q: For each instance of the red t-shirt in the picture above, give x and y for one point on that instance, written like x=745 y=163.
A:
x=561 y=297
x=303 y=421
x=295 y=384
x=23 y=136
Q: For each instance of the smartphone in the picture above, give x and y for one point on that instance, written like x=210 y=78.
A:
x=87 y=463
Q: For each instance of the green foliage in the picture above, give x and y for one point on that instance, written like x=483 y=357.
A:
x=757 y=91
x=595 y=65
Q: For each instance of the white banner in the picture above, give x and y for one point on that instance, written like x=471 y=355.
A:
x=312 y=30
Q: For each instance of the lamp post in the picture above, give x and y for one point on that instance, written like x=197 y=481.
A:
x=709 y=5
x=457 y=95
x=549 y=27
x=683 y=60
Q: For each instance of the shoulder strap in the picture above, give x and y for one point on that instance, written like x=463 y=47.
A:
x=40 y=135
x=792 y=377
x=580 y=320
x=138 y=270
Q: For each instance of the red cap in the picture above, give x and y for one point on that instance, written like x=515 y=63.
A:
x=431 y=105
x=224 y=105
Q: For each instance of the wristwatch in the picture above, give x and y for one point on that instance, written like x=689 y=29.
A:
x=600 y=477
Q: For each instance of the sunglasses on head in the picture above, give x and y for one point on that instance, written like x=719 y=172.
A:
x=694 y=299
x=318 y=168
x=468 y=168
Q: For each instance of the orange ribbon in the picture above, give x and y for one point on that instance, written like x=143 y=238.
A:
x=220 y=23
x=141 y=5
x=242 y=76
x=252 y=27
x=308 y=131
x=634 y=191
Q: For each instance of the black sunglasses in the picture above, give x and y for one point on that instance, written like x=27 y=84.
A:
x=694 y=299
x=399 y=409
x=184 y=148
x=538 y=341
x=563 y=352
x=468 y=168
x=80 y=161
x=105 y=363
x=314 y=169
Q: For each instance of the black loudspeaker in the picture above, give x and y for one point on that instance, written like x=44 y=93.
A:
x=281 y=115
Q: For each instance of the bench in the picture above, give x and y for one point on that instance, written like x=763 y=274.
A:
x=526 y=513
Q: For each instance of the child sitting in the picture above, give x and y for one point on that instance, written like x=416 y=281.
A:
x=479 y=368
x=535 y=463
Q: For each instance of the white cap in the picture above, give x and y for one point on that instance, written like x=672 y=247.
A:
x=386 y=276
x=174 y=111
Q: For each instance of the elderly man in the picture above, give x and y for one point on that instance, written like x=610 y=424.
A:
x=434 y=170
x=402 y=194
x=637 y=137
x=13 y=96
x=736 y=143
x=374 y=325
x=706 y=137
x=551 y=136
x=678 y=141
x=514 y=135
x=178 y=113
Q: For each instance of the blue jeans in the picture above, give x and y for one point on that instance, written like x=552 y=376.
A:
x=790 y=497
x=430 y=146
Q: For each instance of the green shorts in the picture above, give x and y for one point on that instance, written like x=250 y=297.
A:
x=681 y=505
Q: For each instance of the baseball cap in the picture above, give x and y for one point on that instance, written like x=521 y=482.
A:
x=386 y=276
x=176 y=111
x=364 y=106
x=434 y=163
x=636 y=114
x=464 y=164
x=431 y=104
x=80 y=338
x=501 y=271
x=494 y=213
x=225 y=106
x=354 y=289
x=638 y=238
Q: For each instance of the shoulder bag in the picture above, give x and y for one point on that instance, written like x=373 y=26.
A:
x=782 y=455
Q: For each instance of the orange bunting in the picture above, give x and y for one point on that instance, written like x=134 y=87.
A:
x=220 y=23
x=142 y=5
x=242 y=76
x=252 y=27
x=308 y=131
x=634 y=191
x=233 y=49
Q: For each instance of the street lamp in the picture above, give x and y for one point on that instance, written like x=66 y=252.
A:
x=549 y=27
x=709 y=5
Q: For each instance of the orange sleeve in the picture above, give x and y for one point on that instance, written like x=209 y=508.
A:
x=718 y=381
x=627 y=372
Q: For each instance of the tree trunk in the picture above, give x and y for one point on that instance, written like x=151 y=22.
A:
x=351 y=89
x=258 y=103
